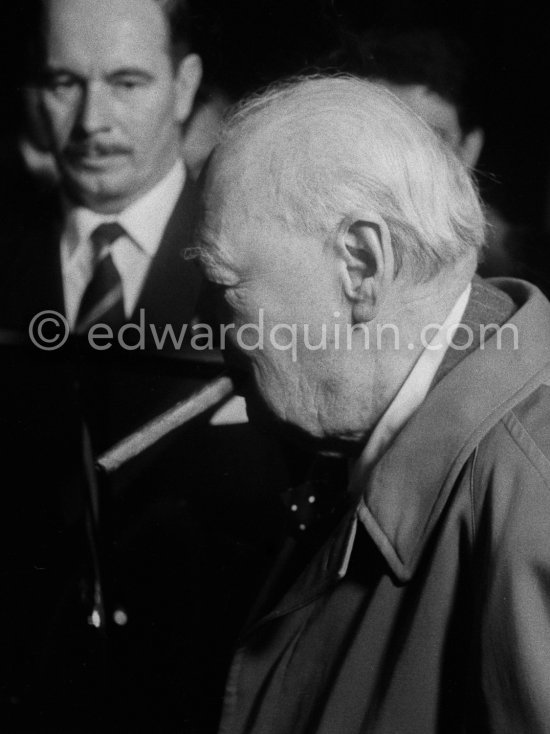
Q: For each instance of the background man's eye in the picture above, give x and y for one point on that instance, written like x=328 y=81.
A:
x=128 y=84
x=61 y=83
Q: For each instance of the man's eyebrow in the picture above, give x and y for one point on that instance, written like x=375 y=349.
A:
x=54 y=69
x=202 y=251
x=199 y=250
x=51 y=74
x=131 y=71
x=192 y=253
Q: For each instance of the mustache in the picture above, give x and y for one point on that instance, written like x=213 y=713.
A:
x=90 y=148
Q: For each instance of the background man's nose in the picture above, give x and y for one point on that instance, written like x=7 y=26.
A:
x=94 y=113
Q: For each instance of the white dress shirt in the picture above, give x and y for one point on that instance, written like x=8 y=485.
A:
x=144 y=222
x=412 y=392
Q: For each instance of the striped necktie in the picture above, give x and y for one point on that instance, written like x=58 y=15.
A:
x=102 y=300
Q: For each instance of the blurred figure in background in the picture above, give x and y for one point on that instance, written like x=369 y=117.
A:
x=99 y=239
x=112 y=85
x=198 y=134
x=200 y=130
x=434 y=74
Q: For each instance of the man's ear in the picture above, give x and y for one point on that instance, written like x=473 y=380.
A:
x=188 y=79
x=470 y=147
x=366 y=264
x=37 y=128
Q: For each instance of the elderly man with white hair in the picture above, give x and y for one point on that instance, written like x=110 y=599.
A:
x=342 y=238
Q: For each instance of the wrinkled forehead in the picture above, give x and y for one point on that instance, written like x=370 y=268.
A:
x=232 y=214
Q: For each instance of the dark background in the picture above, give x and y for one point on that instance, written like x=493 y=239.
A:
x=247 y=43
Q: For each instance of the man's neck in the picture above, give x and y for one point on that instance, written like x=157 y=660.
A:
x=144 y=220
x=372 y=376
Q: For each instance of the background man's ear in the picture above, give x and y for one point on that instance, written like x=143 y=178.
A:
x=36 y=127
x=188 y=79
x=471 y=146
x=367 y=264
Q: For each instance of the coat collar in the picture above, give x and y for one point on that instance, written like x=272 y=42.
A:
x=406 y=491
x=402 y=499
x=329 y=566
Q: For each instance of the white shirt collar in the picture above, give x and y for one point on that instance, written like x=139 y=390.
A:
x=413 y=390
x=144 y=221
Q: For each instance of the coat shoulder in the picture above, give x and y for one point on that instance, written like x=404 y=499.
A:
x=511 y=475
x=511 y=491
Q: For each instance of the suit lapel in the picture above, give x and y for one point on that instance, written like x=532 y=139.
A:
x=31 y=280
x=171 y=288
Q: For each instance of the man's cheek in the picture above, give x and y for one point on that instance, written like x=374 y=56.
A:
x=53 y=123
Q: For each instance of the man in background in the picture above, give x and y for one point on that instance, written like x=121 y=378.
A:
x=111 y=82
x=434 y=73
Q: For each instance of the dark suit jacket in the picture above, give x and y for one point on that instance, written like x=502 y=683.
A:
x=120 y=389
x=183 y=542
x=31 y=282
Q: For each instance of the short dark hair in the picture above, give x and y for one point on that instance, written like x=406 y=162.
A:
x=430 y=57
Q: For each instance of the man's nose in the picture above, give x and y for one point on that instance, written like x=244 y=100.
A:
x=94 y=114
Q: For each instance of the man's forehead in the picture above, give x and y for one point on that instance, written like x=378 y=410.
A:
x=106 y=27
x=235 y=182
x=213 y=236
x=229 y=215
x=219 y=187
x=212 y=221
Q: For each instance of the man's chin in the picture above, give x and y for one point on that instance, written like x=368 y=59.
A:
x=100 y=191
x=297 y=431
x=294 y=431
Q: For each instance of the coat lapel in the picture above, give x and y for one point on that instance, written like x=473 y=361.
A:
x=403 y=497
x=406 y=491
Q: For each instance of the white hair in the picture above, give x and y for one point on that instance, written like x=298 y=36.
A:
x=337 y=145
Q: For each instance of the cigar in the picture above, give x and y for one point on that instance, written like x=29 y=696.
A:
x=161 y=426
